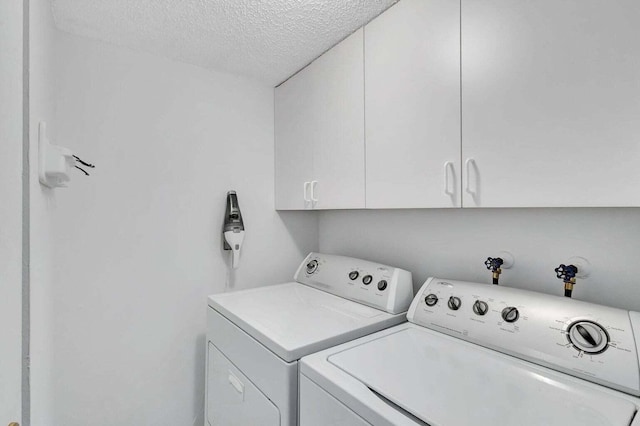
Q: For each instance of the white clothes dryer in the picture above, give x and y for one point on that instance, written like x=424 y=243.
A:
x=256 y=336
x=477 y=354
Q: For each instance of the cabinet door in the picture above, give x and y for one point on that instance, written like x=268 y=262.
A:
x=294 y=127
x=551 y=102
x=338 y=134
x=319 y=131
x=412 y=92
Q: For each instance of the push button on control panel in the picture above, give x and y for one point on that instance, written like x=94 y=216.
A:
x=366 y=280
x=353 y=275
x=382 y=284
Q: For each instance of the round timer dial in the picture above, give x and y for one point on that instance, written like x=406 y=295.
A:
x=431 y=299
x=454 y=303
x=510 y=314
x=480 y=307
x=588 y=337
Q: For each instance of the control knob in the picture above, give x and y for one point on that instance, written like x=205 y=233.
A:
x=366 y=280
x=588 y=337
x=454 y=303
x=353 y=275
x=510 y=314
x=382 y=285
x=312 y=266
x=480 y=307
x=431 y=299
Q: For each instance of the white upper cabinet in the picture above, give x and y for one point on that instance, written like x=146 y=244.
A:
x=293 y=146
x=319 y=132
x=550 y=103
x=478 y=103
x=412 y=104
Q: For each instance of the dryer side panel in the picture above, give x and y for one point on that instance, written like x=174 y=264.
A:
x=232 y=400
x=272 y=376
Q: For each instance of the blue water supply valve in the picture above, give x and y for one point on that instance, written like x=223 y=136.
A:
x=567 y=273
x=493 y=264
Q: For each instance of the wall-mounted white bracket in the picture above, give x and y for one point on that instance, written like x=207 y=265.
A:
x=54 y=162
x=583 y=265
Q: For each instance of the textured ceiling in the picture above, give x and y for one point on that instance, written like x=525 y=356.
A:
x=268 y=40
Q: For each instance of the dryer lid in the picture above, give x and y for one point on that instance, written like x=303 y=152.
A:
x=294 y=320
x=443 y=381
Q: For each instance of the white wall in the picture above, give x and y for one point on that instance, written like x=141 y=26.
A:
x=42 y=35
x=11 y=72
x=138 y=244
x=454 y=244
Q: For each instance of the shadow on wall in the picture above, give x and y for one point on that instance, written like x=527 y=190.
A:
x=297 y=223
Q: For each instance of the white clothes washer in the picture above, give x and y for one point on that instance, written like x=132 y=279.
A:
x=256 y=336
x=477 y=354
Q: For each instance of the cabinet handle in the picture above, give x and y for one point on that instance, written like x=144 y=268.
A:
x=314 y=183
x=448 y=165
x=305 y=191
x=467 y=165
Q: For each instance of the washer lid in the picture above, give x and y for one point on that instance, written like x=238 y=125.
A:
x=443 y=381
x=294 y=320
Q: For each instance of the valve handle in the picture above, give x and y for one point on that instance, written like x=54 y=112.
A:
x=566 y=272
x=493 y=263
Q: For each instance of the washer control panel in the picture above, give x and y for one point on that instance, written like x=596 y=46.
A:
x=379 y=286
x=583 y=339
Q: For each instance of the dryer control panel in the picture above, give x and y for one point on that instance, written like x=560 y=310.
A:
x=583 y=339
x=379 y=286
